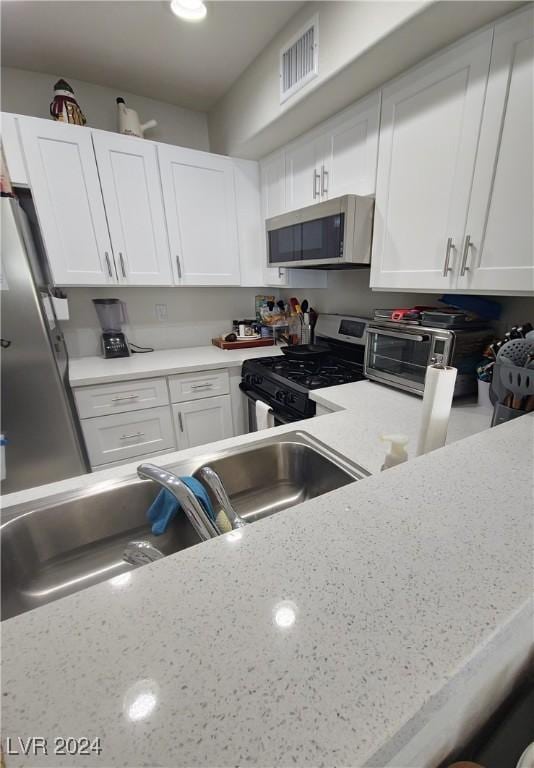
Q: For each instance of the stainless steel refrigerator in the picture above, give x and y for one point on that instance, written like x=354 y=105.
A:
x=38 y=417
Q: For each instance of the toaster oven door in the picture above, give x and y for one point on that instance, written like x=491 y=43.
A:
x=399 y=358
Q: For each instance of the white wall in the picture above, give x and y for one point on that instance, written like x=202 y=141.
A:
x=362 y=45
x=348 y=292
x=30 y=93
x=195 y=316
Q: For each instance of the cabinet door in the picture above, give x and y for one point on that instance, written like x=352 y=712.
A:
x=498 y=252
x=428 y=139
x=203 y=421
x=351 y=151
x=66 y=190
x=303 y=164
x=273 y=203
x=131 y=187
x=199 y=198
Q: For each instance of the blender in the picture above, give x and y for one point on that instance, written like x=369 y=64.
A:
x=112 y=315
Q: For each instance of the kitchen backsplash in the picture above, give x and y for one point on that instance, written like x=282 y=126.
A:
x=195 y=315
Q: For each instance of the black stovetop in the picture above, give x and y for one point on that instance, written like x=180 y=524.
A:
x=312 y=374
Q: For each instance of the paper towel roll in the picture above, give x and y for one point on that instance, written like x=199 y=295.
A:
x=437 y=401
x=264 y=415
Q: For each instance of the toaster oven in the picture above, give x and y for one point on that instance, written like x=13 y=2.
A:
x=398 y=354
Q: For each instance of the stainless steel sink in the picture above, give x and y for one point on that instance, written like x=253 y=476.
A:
x=278 y=475
x=77 y=539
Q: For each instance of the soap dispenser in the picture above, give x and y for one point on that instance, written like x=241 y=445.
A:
x=397 y=453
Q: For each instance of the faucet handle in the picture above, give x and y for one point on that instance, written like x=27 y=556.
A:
x=214 y=482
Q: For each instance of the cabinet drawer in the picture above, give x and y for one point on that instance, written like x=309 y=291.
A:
x=194 y=386
x=119 y=397
x=127 y=435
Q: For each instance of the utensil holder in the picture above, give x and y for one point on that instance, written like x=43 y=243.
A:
x=502 y=413
x=508 y=378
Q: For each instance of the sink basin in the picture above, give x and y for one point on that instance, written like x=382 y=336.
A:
x=276 y=476
x=77 y=539
x=73 y=543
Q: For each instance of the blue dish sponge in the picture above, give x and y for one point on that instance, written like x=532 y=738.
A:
x=165 y=506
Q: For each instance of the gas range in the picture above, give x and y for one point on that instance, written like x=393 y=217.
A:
x=284 y=382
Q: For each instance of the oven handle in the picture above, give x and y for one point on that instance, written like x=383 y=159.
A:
x=399 y=335
x=277 y=413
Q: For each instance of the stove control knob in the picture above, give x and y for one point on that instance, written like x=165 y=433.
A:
x=257 y=379
x=290 y=397
x=281 y=396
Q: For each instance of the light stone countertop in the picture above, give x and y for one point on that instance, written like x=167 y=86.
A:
x=84 y=371
x=397 y=591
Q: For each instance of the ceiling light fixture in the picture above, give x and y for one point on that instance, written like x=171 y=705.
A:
x=190 y=10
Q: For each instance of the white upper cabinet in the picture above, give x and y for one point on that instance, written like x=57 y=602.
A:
x=498 y=250
x=65 y=186
x=273 y=203
x=428 y=140
x=199 y=198
x=129 y=176
x=338 y=158
x=304 y=160
x=351 y=150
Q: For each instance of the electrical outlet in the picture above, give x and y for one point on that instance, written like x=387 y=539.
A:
x=161 y=313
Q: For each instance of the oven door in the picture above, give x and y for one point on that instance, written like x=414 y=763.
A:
x=398 y=358
x=279 y=416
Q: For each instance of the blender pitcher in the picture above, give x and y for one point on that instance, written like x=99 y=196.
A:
x=111 y=315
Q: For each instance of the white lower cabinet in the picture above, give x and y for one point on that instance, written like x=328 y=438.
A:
x=137 y=420
x=203 y=421
x=125 y=436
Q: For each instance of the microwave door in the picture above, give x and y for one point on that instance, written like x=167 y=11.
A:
x=285 y=244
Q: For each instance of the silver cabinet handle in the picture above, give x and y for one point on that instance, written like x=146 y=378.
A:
x=134 y=434
x=324 y=180
x=122 y=265
x=126 y=397
x=201 y=386
x=316 y=189
x=108 y=262
x=446 y=267
x=280 y=273
x=180 y=421
x=467 y=245
x=178 y=266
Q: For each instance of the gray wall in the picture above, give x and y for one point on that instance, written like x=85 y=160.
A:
x=30 y=93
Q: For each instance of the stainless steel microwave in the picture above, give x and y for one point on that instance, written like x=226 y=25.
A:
x=398 y=354
x=333 y=234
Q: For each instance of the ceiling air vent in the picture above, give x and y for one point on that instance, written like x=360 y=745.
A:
x=299 y=60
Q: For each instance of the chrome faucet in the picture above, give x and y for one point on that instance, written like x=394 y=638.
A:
x=185 y=497
x=214 y=482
